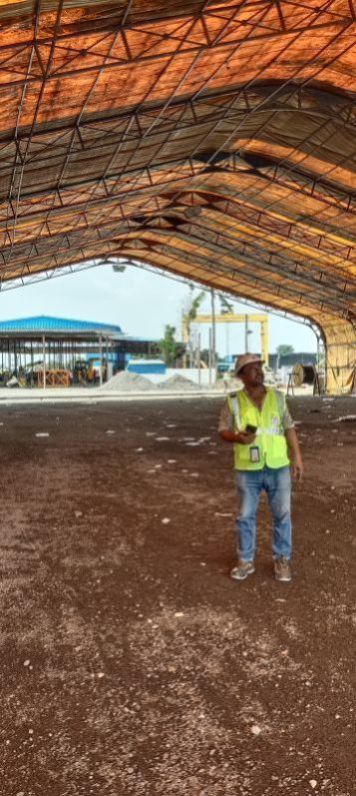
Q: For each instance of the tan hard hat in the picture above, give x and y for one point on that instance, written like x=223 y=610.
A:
x=246 y=359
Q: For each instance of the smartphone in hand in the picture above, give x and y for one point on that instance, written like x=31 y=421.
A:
x=251 y=429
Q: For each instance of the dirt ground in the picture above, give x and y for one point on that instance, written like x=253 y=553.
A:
x=131 y=665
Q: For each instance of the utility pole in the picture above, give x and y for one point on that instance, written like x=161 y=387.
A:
x=213 y=329
x=246 y=334
x=199 y=361
x=210 y=355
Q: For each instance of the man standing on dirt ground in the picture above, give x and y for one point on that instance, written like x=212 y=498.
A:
x=256 y=420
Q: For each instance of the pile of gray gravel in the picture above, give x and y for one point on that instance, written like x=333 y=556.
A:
x=128 y=382
x=178 y=382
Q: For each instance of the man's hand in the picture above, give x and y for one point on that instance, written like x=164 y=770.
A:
x=298 y=468
x=245 y=437
x=295 y=454
x=242 y=437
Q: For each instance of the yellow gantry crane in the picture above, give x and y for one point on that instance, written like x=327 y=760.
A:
x=230 y=317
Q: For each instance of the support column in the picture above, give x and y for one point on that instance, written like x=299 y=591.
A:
x=31 y=349
x=15 y=358
x=265 y=340
x=44 y=361
x=246 y=334
x=210 y=356
x=100 y=360
x=213 y=329
x=199 y=359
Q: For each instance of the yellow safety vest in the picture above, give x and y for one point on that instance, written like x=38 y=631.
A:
x=270 y=438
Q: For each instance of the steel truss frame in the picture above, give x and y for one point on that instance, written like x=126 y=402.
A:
x=220 y=131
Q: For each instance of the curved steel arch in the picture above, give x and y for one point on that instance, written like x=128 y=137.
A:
x=216 y=140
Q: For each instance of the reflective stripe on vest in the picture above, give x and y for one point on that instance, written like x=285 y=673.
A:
x=270 y=438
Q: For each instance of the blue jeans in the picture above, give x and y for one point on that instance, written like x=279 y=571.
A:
x=277 y=484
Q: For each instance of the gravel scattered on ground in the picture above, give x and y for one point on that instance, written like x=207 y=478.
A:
x=131 y=664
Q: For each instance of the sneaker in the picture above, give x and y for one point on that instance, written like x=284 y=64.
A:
x=242 y=570
x=282 y=569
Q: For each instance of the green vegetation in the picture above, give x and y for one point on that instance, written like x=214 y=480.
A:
x=283 y=350
x=169 y=348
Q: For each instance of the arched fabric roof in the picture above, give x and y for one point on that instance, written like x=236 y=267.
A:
x=211 y=139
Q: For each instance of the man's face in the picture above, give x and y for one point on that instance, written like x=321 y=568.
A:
x=252 y=375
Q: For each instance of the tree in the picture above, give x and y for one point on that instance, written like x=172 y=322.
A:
x=189 y=315
x=169 y=348
x=284 y=349
x=190 y=312
x=205 y=356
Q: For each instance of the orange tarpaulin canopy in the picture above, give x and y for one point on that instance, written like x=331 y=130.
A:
x=211 y=139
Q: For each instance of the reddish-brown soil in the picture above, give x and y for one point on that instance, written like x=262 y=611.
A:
x=131 y=665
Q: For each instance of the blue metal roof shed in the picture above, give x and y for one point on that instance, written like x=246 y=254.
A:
x=65 y=327
x=63 y=340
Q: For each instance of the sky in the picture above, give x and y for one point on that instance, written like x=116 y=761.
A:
x=142 y=303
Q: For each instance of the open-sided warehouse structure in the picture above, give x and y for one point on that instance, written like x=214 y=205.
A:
x=211 y=139
x=63 y=342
